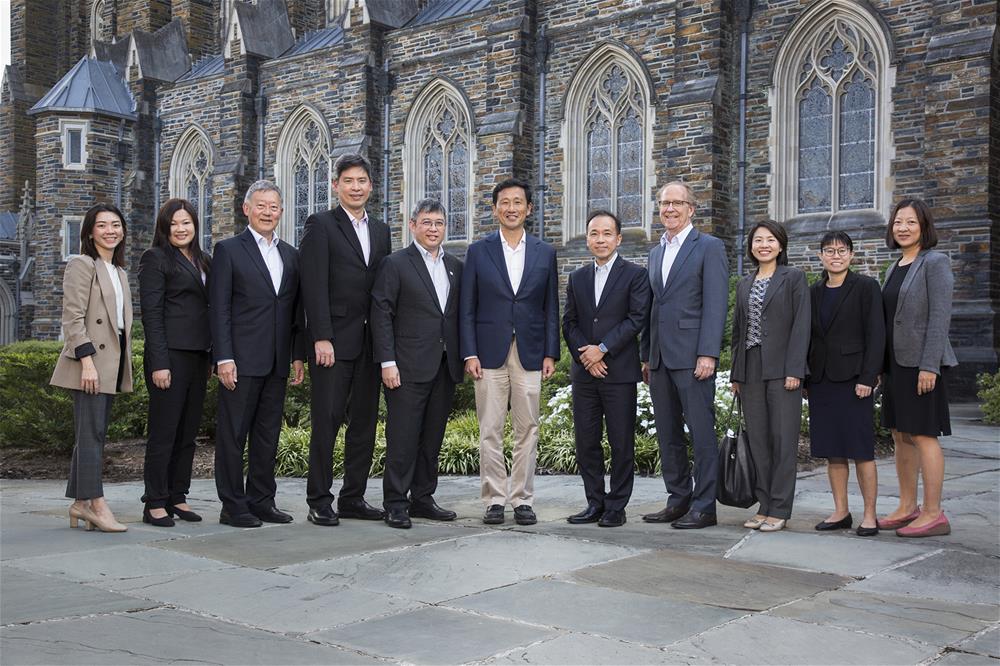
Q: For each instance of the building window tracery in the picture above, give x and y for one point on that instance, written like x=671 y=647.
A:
x=191 y=179
x=303 y=170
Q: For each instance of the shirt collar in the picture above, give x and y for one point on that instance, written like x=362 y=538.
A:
x=427 y=255
x=354 y=220
x=679 y=238
x=520 y=243
x=257 y=238
x=607 y=266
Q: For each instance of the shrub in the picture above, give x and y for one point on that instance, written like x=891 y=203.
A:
x=989 y=393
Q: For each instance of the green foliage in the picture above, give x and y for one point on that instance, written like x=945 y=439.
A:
x=989 y=393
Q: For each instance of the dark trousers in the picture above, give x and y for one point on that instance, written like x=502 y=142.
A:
x=174 y=417
x=417 y=417
x=252 y=409
x=91 y=417
x=351 y=388
x=679 y=398
x=595 y=403
x=773 y=418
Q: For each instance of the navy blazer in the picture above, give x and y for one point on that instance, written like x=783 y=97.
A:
x=688 y=313
x=491 y=314
x=852 y=347
x=251 y=324
x=616 y=320
x=174 y=304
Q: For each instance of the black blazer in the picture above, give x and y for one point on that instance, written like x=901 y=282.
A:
x=174 y=304
x=408 y=325
x=336 y=283
x=251 y=324
x=616 y=321
x=853 y=347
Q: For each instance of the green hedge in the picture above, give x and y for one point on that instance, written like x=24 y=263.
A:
x=989 y=393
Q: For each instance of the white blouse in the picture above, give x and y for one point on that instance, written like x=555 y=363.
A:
x=119 y=295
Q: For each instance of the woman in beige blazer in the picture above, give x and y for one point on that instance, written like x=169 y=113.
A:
x=96 y=360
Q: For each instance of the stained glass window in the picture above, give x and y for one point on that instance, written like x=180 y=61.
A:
x=191 y=179
x=304 y=167
x=445 y=159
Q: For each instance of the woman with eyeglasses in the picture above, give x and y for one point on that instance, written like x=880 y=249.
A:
x=846 y=351
x=917 y=297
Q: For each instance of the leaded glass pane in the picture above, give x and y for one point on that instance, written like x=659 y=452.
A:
x=321 y=185
x=433 y=180
x=301 y=200
x=599 y=164
x=857 y=144
x=457 y=188
x=815 y=149
x=205 y=215
x=73 y=239
x=630 y=170
x=193 y=191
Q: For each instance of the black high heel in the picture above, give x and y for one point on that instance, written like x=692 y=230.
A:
x=165 y=521
x=189 y=516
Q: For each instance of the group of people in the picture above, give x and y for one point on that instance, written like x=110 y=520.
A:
x=414 y=321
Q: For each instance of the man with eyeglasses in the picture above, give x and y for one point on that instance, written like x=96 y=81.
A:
x=415 y=327
x=689 y=276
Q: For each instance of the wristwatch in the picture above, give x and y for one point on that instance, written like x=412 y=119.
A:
x=604 y=350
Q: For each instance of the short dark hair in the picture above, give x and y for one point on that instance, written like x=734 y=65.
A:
x=87 y=245
x=349 y=160
x=604 y=213
x=428 y=206
x=161 y=233
x=778 y=231
x=512 y=182
x=928 y=235
x=834 y=237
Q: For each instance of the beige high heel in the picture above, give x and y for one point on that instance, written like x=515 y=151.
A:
x=102 y=524
x=76 y=515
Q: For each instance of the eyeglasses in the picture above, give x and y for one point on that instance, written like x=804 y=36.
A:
x=674 y=204
x=836 y=251
x=431 y=224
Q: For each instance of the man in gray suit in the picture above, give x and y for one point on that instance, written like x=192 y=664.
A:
x=689 y=275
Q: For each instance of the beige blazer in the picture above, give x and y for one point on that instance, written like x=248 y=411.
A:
x=88 y=325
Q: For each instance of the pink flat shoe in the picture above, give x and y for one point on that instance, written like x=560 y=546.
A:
x=937 y=527
x=884 y=524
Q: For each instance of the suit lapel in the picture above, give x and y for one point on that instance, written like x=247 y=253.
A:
x=189 y=267
x=531 y=254
x=127 y=313
x=656 y=270
x=450 y=264
x=682 y=255
x=350 y=235
x=816 y=297
x=774 y=285
x=495 y=250
x=250 y=245
x=848 y=285
x=908 y=280
x=616 y=271
x=287 y=260
x=417 y=259
x=107 y=289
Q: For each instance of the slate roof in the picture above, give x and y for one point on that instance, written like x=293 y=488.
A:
x=91 y=86
x=114 y=52
x=204 y=67
x=8 y=225
x=446 y=9
x=265 y=28
x=315 y=40
x=163 y=55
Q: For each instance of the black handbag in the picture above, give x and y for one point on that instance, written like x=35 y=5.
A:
x=737 y=474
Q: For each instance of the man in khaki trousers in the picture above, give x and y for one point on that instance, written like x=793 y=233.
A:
x=509 y=338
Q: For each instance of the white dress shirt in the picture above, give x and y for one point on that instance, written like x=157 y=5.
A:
x=361 y=229
x=439 y=277
x=671 y=246
x=601 y=274
x=119 y=295
x=271 y=255
x=514 y=258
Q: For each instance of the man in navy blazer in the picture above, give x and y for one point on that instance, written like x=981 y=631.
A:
x=253 y=303
x=689 y=276
x=607 y=306
x=509 y=337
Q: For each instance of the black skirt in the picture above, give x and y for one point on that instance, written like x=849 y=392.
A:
x=905 y=411
x=841 y=425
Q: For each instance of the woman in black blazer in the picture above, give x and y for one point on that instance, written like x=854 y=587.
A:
x=770 y=342
x=172 y=276
x=845 y=358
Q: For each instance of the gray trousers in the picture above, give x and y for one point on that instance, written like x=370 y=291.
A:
x=773 y=418
x=91 y=416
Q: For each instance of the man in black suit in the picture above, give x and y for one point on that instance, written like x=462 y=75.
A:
x=415 y=327
x=341 y=251
x=254 y=295
x=607 y=306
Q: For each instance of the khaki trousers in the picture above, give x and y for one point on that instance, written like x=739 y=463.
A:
x=521 y=389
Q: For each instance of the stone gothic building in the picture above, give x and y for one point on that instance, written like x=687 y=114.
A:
x=816 y=113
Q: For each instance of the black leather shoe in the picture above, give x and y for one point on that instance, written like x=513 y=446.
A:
x=844 y=523
x=164 y=521
x=432 y=511
x=359 y=509
x=667 y=515
x=189 y=516
x=271 y=514
x=612 y=518
x=494 y=515
x=695 y=520
x=324 y=516
x=866 y=531
x=239 y=519
x=523 y=515
x=396 y=516
x=591 y=514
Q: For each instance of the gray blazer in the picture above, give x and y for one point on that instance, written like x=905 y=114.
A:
x=923 y=314
x=785 y=322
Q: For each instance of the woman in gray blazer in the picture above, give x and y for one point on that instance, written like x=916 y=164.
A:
x=770 y=342
x=917 y=297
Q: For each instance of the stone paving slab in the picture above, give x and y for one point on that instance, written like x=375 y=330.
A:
x=575 y=649
x=935 y=622
x=621 y=615
x=948 y=576
x=964 y=659
x=638 y=534
x=116 y=562
x=712 y=581
x=986 y=643
x=26 y=535
x=449 y=569
x=760 y=639
x=840 y=554
x=162 y=636
x=29 y=597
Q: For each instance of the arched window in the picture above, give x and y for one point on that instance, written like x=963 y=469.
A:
x=607 y=141
x=191 y=178
x=98 y=24
x=831 y=106
x=8 y=315
x=438 y=154
x=303 y=170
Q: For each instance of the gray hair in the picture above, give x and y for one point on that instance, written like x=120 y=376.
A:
x=261 y=186
x=680 y=183
x=428 y=206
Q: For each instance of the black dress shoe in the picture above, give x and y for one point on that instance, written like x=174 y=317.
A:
x=591 y=514
x=359 y=509
x=695 y=520
x=493 y=515
x=271 y=514
x=866 y=531
x=842 y=524
x=612 y=518
x=324 y=516
x=396 y=516
x=164 y=521
x=431 y=510
x=189 y=516
x=239 y=519
x=667 y=515
x=523 y=515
